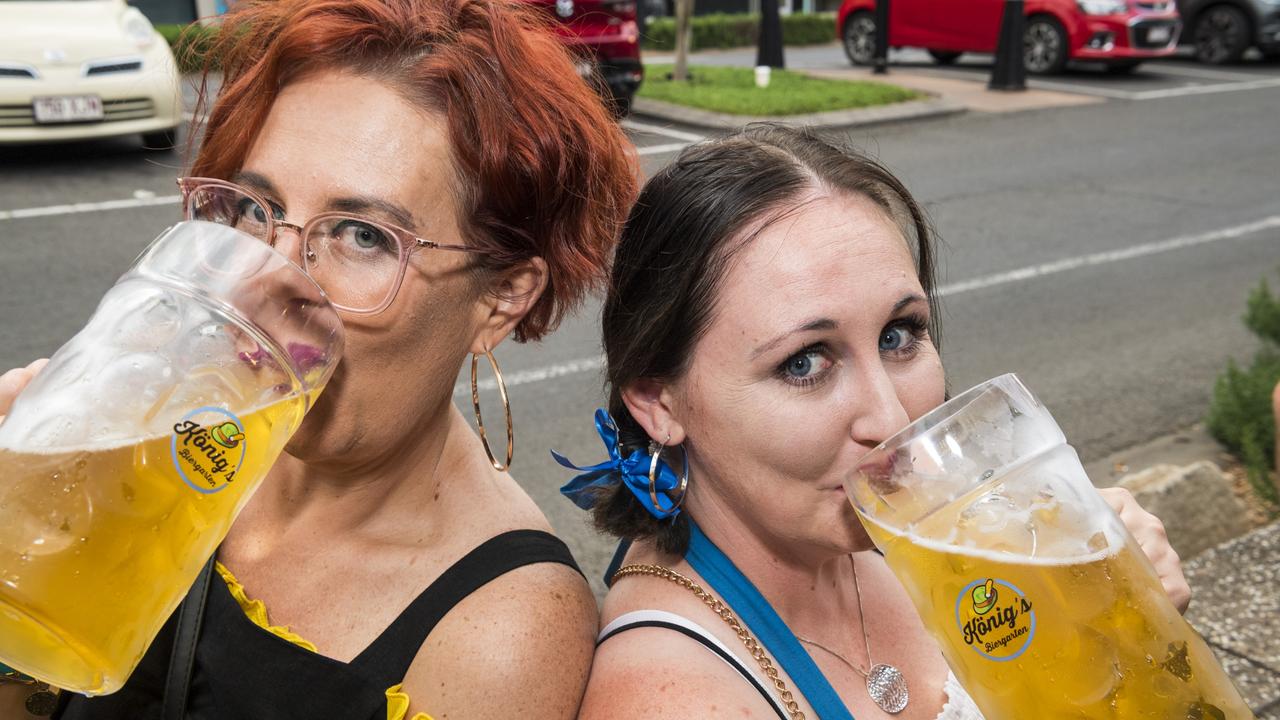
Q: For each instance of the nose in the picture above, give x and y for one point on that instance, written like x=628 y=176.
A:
x=879 y=412
x=287 y=240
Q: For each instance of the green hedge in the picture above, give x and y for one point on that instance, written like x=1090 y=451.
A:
x=190 y=43
x=729 y=31
x=1240 y=415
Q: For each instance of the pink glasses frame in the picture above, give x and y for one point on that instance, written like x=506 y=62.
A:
x=409 y=243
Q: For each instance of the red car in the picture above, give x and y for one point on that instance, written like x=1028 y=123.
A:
x=1120 y=33
x=606 y=40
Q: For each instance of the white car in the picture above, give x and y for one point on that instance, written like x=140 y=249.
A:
x=82 y=69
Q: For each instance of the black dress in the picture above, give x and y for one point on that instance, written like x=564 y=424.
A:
x=243 y=672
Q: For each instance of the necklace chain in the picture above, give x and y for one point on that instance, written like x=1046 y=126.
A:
x=755 y=649
x=862 y=619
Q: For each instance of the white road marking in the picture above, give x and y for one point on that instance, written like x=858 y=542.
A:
x=1260 y=84
x=1110 y=256
x=1202 y=73
x=660 y=130
x=84 y=207
x=525 y=377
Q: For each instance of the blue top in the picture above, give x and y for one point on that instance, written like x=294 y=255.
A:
x=757 y=614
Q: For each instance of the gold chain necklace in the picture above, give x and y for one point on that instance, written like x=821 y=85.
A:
x=885 y=683
x=719 y=608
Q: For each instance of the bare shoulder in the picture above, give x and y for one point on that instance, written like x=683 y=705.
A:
x=656 y=673
x=520 y=646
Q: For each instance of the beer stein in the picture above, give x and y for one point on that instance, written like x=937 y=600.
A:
x=1042 y=602
x=125 y=461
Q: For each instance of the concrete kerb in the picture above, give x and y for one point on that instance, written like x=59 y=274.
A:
x=856 y=117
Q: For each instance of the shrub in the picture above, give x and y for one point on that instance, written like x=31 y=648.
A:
x=721 y=30
x=1241 y=415
x=190 y=44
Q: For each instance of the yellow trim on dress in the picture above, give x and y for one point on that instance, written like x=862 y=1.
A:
x=256 y=611
x=398 y=705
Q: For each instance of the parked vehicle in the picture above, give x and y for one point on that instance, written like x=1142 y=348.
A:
x=606 y=39
x=78 y=69
x=1120 y=33
x=1221 y=30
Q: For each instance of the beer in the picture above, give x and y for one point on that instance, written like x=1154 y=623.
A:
x=1044 y=606
x=82 y=590
x=1051 y=634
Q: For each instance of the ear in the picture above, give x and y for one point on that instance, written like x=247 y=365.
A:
x=652 y=404
x=508 y=299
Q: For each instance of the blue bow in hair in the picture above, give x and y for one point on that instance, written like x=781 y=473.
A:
x=633 y=471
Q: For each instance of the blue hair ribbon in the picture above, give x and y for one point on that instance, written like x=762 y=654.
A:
x=632 y=471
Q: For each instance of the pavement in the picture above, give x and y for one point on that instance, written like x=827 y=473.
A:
x=963 y=85
x=1236 y=608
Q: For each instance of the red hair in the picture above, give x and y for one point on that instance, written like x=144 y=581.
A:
x=544 y=169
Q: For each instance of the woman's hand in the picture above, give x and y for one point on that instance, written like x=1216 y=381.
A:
x=1149 y=532
x=12 y=383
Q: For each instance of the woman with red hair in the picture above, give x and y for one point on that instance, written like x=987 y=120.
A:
x=389 y=567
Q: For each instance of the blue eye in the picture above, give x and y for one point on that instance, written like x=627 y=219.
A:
x=255 y=212
x=363 y=235
x=895 y=338
x=805 y=366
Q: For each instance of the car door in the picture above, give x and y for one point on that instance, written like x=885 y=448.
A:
x=968 y=25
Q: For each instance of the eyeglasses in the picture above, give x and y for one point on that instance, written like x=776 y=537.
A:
x=358 y=262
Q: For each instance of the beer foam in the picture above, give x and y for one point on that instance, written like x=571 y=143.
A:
x=1115 y=542
x=147 y=358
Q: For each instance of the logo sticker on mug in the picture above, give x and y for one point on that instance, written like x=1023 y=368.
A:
x=995 y=619
x=208 y=454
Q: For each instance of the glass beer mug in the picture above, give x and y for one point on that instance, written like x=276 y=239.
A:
x=1043 y=603
x=124 y=462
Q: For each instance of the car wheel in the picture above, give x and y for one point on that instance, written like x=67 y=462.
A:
x=1044 y=46
x=859 y=36
x=944 y=57
x=1123 y=67
x=1221 y=34
x=163 y=140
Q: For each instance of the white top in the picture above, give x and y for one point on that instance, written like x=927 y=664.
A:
x=959 y=705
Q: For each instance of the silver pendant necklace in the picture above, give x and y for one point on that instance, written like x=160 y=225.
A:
x=886 y=685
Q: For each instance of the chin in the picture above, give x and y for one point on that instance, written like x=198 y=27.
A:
x=849 y=531
x=317 y=435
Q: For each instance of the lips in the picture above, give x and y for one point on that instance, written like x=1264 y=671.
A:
x=303 y=357
x=882 y=470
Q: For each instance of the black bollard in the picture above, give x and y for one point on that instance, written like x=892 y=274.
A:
x=881 y=57
x=1010 y=72
x=769 y=48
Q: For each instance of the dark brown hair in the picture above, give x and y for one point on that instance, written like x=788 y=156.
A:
x=676 y=247
x=544 y=169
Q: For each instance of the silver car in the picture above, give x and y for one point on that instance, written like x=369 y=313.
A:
x=81 y=69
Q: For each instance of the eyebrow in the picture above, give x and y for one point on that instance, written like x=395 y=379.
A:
x=827 y=324
x=816 y=324
x=356 y=205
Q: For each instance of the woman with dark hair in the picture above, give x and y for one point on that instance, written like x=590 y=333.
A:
x=389 y=565
x=770 y=319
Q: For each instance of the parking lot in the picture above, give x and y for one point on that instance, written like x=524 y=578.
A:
x=1171 y=77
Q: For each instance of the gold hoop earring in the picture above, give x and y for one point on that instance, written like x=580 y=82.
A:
x=655 y=451
x=506 y=406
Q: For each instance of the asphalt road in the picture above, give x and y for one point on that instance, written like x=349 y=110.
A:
x=1103 y=252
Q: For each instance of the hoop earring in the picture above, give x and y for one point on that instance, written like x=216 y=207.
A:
x=655 y=451
x=506 y=406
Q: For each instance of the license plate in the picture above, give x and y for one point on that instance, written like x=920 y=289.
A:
x=1159 y=34
x=67 y=108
